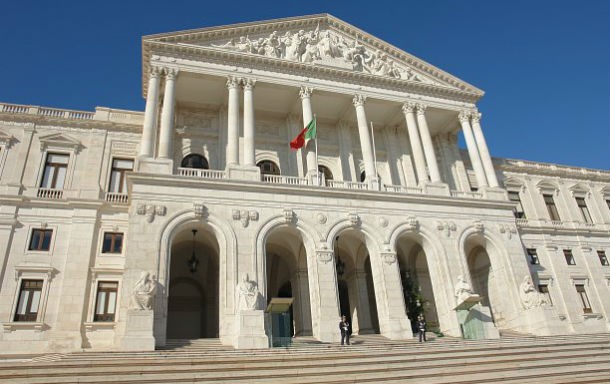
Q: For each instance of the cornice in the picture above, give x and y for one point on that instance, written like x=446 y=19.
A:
x=305 y=70
x=52 y=122
x=555 y=170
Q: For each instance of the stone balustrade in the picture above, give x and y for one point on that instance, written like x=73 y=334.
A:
x=100 y=114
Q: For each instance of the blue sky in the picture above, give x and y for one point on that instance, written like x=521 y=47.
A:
x=544 y=65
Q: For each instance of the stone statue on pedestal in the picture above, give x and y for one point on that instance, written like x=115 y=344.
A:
x=249 y=296
x=530 y=297
x=463 y=290
x=143 y=292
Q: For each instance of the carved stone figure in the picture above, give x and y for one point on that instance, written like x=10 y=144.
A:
x=143 y=292
x=463 y=290
x=530 y=297
x=317 y=46
x=249 y=296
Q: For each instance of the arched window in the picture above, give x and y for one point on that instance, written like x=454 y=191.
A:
x=328 y=175
x=195 y=161
x=268 y=167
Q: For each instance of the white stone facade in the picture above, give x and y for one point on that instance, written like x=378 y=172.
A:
x=112 y=236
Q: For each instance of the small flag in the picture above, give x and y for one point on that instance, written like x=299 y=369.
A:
x=307 y=133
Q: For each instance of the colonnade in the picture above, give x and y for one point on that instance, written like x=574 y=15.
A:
x=422 y=148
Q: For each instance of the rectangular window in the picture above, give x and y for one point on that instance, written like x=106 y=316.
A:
x=551 y=207
x=40 y=240
x=584 y=210
x=602 y=258
x=518 y=210
x=533 y=256
x=105 y=304
x=118 y=181
x=55 y=169
x=544 y=289
x=569 y=257
x=29 y=300
x=586 y=305
x=113 y=242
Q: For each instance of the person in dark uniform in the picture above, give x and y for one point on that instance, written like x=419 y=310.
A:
x=344 y=327
x=421 y=327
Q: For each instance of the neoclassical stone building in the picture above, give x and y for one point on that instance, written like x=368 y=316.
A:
x=122 y=229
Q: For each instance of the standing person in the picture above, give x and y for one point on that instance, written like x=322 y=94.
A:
x=344 y=327
x=421 y=327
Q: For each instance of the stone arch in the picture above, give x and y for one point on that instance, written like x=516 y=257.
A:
x=473 y=239
x=227 y=246
x=268 y=156
x=438 y=269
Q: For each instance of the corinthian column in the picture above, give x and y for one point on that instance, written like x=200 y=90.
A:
x=249 y=157
x=424 y=132
x=490 y=172
x=473 y=151
x=233 y=121
x=408 y=109
x=305 y=94
x=150 y=114
x=365 y=139
x=167 y=115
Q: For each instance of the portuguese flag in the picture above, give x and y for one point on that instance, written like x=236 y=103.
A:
x=309 y=132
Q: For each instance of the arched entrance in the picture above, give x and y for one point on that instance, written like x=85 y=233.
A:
x=416 y=282
x=355 y=282
x=482 y=277
x=287 y=276
x=192 y=307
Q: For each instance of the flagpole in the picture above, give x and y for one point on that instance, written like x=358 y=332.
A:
x=316 y=142
x=374 y=152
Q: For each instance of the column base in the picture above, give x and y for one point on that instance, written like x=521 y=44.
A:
x=252 y=330
x=243 y=172
x=436 y=188
x=156 y=166
x=398 y=329
x=139 y=331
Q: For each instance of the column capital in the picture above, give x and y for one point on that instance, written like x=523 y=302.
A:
x=421 y=109
x=170 y=73
x=232 y=82
x=154 y=71
x=359 y=100
x=464 y=116
x=248 y=83
x=305 y=91
x=476 y=116
x=408 y=107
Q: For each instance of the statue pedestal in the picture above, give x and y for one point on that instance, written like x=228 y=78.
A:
x=139 y=331
x=251 y=330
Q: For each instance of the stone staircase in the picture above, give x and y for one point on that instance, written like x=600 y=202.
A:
x=370 y=359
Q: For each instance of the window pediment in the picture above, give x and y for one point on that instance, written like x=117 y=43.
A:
x=60 y=141
x=579 y=190
x=547 y=188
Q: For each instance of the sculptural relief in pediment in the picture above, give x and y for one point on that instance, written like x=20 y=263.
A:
x=322 y=47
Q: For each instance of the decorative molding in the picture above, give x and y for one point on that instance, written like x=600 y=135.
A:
x=354 y=219
x=35 y=269
x=200 y=210
x=245 y=216
x=464 y=116
x=408 y=107
x=59 y=140
x=6 y=139
x=412 y=223
x=248 y=83
x=383 y=222
x=289 y=216
x=421 y=109
x=388 y=257
x=324 y=255
x=321 y=218
x=479 y=227
x=447 y=226
x=150 y=211
x=232 y=82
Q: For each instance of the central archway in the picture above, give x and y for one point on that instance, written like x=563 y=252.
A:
x=193 y=297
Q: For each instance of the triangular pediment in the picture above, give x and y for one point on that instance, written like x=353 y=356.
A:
x=321 y=41
x=59 y=140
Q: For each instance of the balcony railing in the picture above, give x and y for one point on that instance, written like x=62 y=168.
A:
x=201 y=173
x=402 y=189
x=117 y=198
x=467 y=195
x=289 y=180
x=49 y=193
x=347 y=185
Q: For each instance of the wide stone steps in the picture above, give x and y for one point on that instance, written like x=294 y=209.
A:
x=584 y=358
